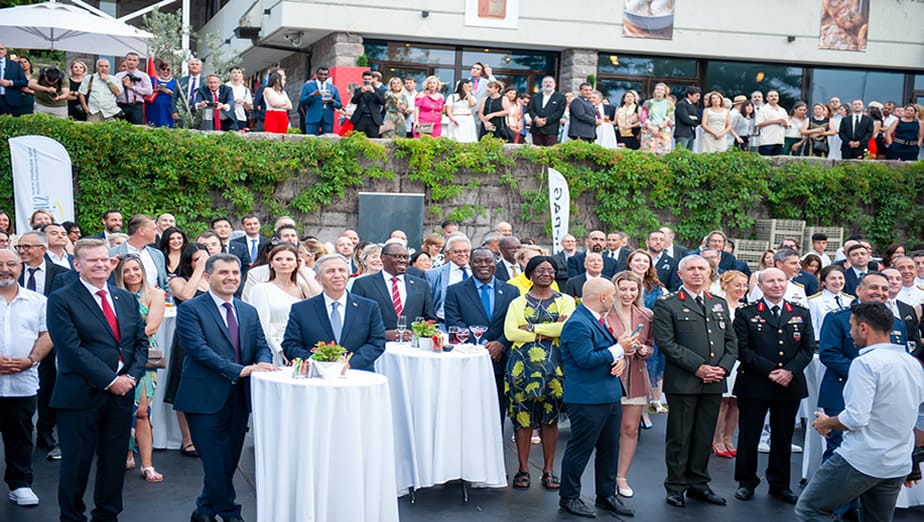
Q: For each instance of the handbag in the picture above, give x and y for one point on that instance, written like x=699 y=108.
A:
x=425 y=128
x=149 y=99
x=388 y=126
x=820 y=147
x=156 y=360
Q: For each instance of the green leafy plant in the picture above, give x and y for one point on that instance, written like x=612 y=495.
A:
x=327 y=352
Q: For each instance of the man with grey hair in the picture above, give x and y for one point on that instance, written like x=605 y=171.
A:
x=458 y=250
x=492 y=242
x=27 y=345
x=786 y=260
x=545 y=111
x=352 y=321
x=188 y=87
x=98 y=94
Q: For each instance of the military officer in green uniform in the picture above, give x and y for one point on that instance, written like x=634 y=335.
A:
x=694 y=331
x=775 y=344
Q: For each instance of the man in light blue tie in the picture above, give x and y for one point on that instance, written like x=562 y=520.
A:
x=318 y=101
x=354 y=322
x=252 y=240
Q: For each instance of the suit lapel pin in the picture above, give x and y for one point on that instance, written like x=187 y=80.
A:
x=500 y=292
x=356 y=305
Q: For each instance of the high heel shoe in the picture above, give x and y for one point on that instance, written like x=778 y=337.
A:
x=624 y=491
x=646 y=425
x=723 y=454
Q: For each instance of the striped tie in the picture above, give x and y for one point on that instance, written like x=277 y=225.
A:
x=396 y=297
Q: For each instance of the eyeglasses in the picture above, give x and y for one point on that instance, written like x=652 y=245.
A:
x=23 y=246
x=399 y=257
x=460 y=252
x=544 y=271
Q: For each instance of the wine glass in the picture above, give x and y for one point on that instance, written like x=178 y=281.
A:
x=453 y=332
x=478 y=330
x=401 y=326
x=461 y=335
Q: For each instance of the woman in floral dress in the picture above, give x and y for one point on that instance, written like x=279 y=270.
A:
x=533 y=379
x=395 y=110
x=657 y=119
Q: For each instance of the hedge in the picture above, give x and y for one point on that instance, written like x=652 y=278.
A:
x=200 y=176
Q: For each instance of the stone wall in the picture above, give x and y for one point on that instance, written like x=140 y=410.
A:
x=576 y=65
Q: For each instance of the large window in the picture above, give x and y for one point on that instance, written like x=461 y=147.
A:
x=734 y=78
x=850 y=84
x=618 y=73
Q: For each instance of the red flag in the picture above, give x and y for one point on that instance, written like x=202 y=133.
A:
x=152 y=72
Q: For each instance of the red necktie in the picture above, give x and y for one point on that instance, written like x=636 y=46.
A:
x=396 y=296
x=217 y=112
x=605 y=325
x=110 y=316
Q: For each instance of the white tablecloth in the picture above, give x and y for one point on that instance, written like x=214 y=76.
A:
x=815 y=444
x=165 y=427
x=446 y=417
x=324 y=448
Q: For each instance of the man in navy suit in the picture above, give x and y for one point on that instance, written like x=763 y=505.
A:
x=252 y=240
x=858 y=255
x=112 y=223
x=218 y=98
x=352 y=321
x=458 y=251
x=584 y=121
x=224 y=344
x=12 y=80
x=592 y=361
x=317 y=103
x=396 y=292
x=222 y=228
x=102 y=350
x=482 y=300
x=665 y=265
x=595 y=242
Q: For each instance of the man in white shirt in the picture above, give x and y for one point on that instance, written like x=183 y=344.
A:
x=98 y=94
x=910 y=292
x=410 y=94
x=458 y=252
x=57 y=241
x=819 y=243
x=135 y=86
x=772 y=121
x=22 y=317
x=188 y=87
x=918 y=257
x=252 y=240
x=881 y=399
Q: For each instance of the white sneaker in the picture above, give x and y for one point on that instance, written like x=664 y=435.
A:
x=796 y=449
x=24 y=497
x=763 y=447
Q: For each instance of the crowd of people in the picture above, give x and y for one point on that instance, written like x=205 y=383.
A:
x=474 y=107
x=611 y=337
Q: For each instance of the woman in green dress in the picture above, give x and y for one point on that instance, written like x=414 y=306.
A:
x=396 y=110
x=130 y=275
x=533 y=379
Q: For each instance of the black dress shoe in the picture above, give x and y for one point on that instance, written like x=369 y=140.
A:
x=786 y=495
x=706 y=495
x=676 y=500
x=614 y=505
x=576 y=506
x=744 y=493
x=46 y=441
x=199 y=517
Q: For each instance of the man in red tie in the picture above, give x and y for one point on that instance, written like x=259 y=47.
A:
x=215 y=104
x=102 y=350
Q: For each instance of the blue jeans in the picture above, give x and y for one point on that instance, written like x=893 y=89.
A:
x=685 y=143
x=837 y=482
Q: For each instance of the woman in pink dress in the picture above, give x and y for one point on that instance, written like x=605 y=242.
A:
x=429 y=105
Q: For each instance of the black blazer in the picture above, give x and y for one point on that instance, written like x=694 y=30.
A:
x=583 y=119
x=371 y=102
x=244 y=240
x=666 y=267
x=574 y=286
x=225 y=96
x=417 y=303
x=553 y=110
x=87 y=351
x=51 y=272
x=687 y=118
x=561 y=268
x=622 y=258
x=501 y=271
x=463 y=308
x=863 y=133
x=912 y=325
x=576 y=265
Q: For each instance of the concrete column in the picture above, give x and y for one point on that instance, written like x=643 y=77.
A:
x=576 y=65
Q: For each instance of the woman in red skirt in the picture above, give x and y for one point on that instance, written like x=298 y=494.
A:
x=278 y=105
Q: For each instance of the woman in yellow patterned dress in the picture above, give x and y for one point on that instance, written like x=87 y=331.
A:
x=533 y=380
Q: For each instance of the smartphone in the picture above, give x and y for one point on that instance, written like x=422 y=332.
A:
x=638 y=329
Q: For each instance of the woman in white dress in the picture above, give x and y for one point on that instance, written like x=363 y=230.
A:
x=735 y=285
x=275 y=298
x=838 y=112
x=606 y=133
x=716 y=124
x=459 y=107
x=830 y=299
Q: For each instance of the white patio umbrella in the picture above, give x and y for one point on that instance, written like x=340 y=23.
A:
x=65 y=27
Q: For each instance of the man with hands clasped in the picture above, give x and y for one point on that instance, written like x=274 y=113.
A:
x=592 y=361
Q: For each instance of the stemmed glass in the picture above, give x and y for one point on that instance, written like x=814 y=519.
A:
x=461 y=335
x=401 y=327
x=478 y=330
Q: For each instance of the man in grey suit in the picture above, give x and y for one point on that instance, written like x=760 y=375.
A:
x=583 y=117
x=141 y=232
x=396 y=292
x=458 y=250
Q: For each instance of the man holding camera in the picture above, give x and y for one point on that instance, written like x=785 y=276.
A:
x=135 y=86
x=215 y=105
x=369 y=103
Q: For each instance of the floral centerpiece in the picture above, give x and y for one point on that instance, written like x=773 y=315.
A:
x=327 y=359
x=427 y=335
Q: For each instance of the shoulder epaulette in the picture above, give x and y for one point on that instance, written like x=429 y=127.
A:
x=797 y=283
x=813 y=296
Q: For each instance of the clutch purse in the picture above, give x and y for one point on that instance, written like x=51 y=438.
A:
x=425 y=128
x=156 y=360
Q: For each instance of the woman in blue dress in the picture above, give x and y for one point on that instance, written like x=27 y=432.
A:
x=160 y=111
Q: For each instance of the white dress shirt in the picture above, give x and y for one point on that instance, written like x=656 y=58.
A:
x=343 y=306
x=884 y=389
x=912 y=295
x=39 y=276
x=402 y=289
x=220 y=304
x=455 y=274
x=21 y=322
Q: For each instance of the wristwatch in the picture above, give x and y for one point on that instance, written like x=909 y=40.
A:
x=530 y=327
x=34 y=362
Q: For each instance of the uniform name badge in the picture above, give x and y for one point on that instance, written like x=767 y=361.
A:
x=796 y=336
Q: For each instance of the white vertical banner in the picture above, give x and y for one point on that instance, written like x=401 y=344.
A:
x=42 y=179
x=560 y=207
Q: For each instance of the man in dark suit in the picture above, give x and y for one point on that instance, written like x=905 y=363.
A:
x=593 y=269
x=592 y=360
x=218 y=99
x=507 y=267
x=112 y=223
x=224 y=344
x=687 y=116
x=482 y=300
x=583 y=119
x=664 y=264
x=858 y=255
x=369 y=103
x=545 y=110
x=352 y=321
x=317 y=102
x=396 y=292
x=855 y=132
x=673 y=249
x=102 y=350
x=595 y=242
x=616 y=249
x=568 y=249
x=901 y=310
x=693 y=329
x=39 y=274
x=252 y=240
x=775 y=344
x=12 y=80
x=222 y=228
x=716 y=240
x=189 y=85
